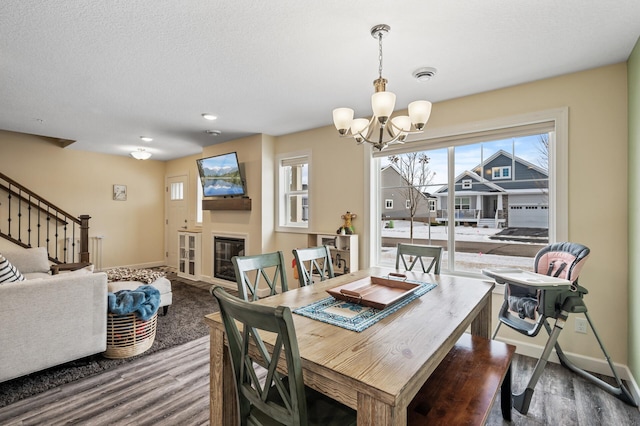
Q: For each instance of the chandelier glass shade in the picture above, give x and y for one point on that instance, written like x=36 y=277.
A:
x=141 y=154
x=382 y=130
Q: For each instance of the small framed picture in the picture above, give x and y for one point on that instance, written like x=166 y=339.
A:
x=120 y=192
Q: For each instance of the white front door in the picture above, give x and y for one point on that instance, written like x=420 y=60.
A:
x=176 y=201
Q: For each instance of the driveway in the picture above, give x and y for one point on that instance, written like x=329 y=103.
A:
x=502 y=248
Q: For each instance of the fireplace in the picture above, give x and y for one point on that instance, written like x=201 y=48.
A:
x=224 y=248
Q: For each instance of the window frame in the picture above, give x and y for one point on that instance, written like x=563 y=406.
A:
x=497 y=173
x=283 y=194
x=464 y=133
x=199 y=198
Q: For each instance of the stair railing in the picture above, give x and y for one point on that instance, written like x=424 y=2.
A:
x=28 y=220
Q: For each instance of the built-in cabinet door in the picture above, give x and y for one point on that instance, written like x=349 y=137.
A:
x=189 y=255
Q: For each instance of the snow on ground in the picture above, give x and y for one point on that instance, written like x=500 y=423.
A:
x=468 y=262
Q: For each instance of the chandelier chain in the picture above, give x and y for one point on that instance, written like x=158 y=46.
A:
x=380 y=55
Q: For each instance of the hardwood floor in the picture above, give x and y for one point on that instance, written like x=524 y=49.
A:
x=171 y=387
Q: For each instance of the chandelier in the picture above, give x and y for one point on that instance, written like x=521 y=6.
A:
x=382 y=130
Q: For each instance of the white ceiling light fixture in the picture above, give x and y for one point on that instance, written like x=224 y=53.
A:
x=146 y=138
x=141 y=154
x=209 y=117
x=382 y=103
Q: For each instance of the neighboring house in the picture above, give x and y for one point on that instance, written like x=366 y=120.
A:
x=502 y=190
x=396 y=201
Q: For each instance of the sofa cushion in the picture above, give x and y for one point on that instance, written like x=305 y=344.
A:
x=8 y=272
x=29 y=260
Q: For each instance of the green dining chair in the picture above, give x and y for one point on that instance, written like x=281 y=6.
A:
x=251 y=271
x=313 y=262
x=414 y=253
x=267 y=397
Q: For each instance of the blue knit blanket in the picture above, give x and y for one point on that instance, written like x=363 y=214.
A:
x=143 y=301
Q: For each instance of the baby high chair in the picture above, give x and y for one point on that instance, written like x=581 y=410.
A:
x=529 y=300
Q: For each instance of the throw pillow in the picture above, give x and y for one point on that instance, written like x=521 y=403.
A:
x=29 y=260
x=8 y=272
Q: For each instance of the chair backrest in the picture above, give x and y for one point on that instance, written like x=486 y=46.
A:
x=414 y=253
x=562 y=260
x=271 y=397
x=250 y=269
x=313 y=261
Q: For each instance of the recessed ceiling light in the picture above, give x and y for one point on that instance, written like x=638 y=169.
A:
x=213 y=132
x=146 y=138
x=209 y=117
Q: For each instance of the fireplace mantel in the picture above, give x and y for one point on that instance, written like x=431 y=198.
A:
x=227 y=204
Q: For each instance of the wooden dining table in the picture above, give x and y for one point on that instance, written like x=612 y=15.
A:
x=379 y=370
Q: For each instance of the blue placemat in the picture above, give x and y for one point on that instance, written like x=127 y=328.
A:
x=353 y=316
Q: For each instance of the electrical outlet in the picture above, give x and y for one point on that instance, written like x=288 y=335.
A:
x=581 y=325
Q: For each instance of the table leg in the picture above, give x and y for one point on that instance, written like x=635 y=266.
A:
x=505 y=396
x=223 y=408
x=482 y=322
x=372 y=412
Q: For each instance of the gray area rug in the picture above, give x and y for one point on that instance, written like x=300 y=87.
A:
x=183 y=323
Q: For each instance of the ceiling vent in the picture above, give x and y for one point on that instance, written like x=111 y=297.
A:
x=424 y=74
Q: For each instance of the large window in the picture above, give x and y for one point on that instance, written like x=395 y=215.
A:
x=490 y=198
x=293 y=191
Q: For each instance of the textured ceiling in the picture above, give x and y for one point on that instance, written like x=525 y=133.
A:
x=104 y=72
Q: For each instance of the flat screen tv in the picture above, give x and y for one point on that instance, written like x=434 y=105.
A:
x=221 y=176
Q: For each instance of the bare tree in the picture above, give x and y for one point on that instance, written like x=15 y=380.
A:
x=414 y=170
x=543 y=150
x=543 y=159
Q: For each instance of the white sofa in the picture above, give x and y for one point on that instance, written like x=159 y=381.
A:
x=48 y=320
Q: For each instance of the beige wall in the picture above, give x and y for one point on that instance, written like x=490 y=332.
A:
x=634 y=210
x=82 y=183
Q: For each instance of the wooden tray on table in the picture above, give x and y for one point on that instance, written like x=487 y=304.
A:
x=375 y=292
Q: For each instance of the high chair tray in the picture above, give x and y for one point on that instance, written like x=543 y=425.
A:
x=526 y=278
x=374 y=292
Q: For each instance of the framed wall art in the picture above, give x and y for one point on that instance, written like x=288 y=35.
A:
x=120 y=192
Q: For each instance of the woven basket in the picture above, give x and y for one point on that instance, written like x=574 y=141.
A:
x=128 y=335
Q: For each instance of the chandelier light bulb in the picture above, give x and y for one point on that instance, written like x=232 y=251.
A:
x=382 y=104
x=401 y=126
x=359 y=128
x=342 y=118
x=419 y=111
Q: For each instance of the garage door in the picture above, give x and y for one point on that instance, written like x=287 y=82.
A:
x=528 y=216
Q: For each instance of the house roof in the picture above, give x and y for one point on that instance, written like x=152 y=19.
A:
x=481 y=185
